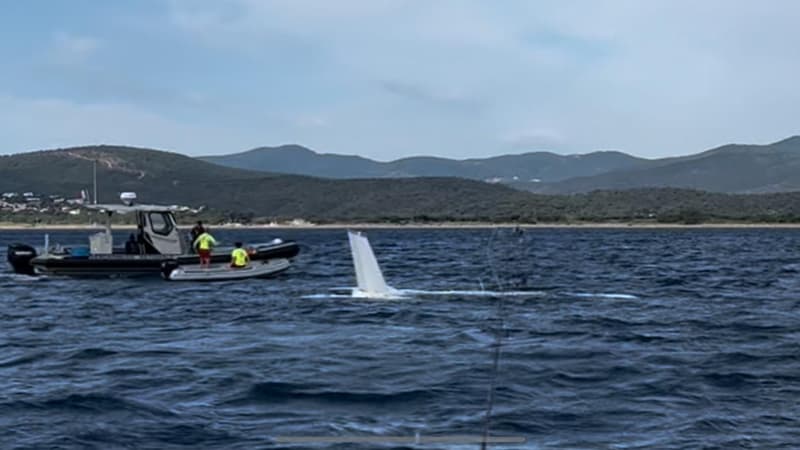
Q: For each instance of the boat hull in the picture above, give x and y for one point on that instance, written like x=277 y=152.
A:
x=123 y=265
x=223 y=272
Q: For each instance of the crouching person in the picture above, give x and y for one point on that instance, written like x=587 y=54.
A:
x=239 y=257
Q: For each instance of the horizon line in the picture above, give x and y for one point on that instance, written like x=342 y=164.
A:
x=139 y=147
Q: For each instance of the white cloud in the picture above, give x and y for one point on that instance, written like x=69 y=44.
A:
x=472 y=78
x=441 y=97
x=70 y=49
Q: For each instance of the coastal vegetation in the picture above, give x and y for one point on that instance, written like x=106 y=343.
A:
x=221 y=194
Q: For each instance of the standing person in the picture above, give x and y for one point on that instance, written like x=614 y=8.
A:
x=141 y=242
x=239 y=257
x=131 y=246
x=203 y=244
x=197 y=230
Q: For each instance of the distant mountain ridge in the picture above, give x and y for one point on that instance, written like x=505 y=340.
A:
x=172 y=178
x=527 y=167
x=733 y=168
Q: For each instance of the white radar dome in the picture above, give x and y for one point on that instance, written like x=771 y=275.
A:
x=128 y=198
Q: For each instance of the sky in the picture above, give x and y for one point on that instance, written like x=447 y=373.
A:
x=392 y=78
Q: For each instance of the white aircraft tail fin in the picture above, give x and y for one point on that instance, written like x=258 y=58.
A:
x=368 y=274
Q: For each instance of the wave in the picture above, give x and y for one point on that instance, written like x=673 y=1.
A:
x=91 y=353
x=269 y=392
x=11 y=275
x=88 y=403
x=24 y=359
x=733 y=380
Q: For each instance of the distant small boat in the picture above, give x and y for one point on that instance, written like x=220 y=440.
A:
x=173 y=271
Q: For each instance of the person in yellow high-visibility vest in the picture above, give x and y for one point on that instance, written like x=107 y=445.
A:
x=239 y=257
x=203 y=244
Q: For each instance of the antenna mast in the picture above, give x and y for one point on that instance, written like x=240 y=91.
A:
x=94 y=178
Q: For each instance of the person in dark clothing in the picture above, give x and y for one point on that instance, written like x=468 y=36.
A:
x=131 y=246
x=197 y=230
x=141 y=242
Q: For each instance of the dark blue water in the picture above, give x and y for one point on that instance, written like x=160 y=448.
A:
x=623 y=339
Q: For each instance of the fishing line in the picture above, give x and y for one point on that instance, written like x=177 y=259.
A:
x=497 y=344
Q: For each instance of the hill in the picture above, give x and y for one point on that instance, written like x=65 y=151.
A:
x=298 y=160
x=171 y=178
x=536 y=166
x=153 y=173
x=730 y=169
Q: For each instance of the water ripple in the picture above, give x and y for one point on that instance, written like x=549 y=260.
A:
x=612 y=339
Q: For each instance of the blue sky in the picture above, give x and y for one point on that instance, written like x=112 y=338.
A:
x=393 y=78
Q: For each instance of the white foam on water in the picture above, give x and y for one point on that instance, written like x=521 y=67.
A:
x=12 y=276
x=475 y=293
x=391 y=294
x=398 y=294
x=355 y=292
x=371 y=284
x=603 y=295
x=324 y=296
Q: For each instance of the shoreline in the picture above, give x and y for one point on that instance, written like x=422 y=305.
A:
x=443 y=225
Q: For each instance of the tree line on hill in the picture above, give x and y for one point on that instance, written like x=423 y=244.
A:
x=255 y=197
x=669 y=206
x=729 y=169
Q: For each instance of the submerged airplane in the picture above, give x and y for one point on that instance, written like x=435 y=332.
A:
x=369 y=278
x=371 y=284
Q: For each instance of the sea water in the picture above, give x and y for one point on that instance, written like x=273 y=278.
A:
x=613 y=339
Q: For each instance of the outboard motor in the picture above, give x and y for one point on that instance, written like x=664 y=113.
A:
x=167 y=267
x=20 y=256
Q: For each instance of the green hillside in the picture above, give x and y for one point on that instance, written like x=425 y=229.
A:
x=151 y=173
x=730 y=168
x=170 y=178
x=544 y=166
